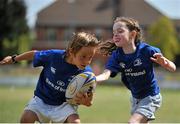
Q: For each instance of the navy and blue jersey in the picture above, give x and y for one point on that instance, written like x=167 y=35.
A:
x=55 y=76
x=136 y=69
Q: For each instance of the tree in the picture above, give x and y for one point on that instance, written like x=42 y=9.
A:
x=163 y=35
x=13 y=23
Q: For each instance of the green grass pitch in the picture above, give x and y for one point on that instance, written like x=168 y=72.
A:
x=111 y=105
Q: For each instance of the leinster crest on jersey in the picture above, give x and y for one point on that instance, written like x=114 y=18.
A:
x=137 y=62
x=122 y=64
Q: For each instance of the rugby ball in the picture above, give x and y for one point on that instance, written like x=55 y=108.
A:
x=84 y=82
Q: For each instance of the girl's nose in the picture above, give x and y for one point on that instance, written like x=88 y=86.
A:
x=115 y=34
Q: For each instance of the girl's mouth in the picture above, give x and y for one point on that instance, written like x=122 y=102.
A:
x=116 y=40
x=83 y=66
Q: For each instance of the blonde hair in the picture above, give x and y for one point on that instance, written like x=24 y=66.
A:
x=81 y=39
x=107 y=47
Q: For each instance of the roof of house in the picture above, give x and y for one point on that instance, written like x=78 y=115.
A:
x=140 y=10
x=84 y=13
x=79 y=12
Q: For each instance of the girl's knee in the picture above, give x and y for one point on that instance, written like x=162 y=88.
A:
x=74 y=118
x=28 y=117
x=77 y=121
x=137 y=118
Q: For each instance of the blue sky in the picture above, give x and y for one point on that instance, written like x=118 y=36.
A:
x=170 y=8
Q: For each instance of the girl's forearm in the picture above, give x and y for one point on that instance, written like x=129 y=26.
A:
x=171 y=66
x=25 y=56
x=104 y=76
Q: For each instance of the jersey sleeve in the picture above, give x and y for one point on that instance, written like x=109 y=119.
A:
x=41 y=58
x=152 y=50
x=113 y=65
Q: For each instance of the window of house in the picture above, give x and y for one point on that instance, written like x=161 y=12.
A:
x=51 y=34
x=68 y=34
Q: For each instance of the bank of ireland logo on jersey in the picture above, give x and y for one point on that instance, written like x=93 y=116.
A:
x=122 y=65
x=137 y=62
x=60 y=83
x=53 y=70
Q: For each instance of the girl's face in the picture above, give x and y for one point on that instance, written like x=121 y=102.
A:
x=121 y=34
x=83 y=57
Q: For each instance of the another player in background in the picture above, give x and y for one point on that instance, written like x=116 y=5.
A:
x=59 y=67
x=134 y=59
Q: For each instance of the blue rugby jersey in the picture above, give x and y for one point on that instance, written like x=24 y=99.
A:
x=55 y=76
x=136 y=69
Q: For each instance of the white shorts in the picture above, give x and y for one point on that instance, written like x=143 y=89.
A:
x=146 y=106
x=50 y=113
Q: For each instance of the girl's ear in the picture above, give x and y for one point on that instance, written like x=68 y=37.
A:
x=70 y=52
x=133 y=34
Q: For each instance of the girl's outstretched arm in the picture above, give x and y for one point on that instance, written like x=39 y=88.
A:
x=104 y=76
x=24 y=56
x=164 y=62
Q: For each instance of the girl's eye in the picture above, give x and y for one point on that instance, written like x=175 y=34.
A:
x=82 y=57
x=118 y=31
x=121 y=31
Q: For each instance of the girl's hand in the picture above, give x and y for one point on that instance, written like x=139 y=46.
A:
x=164 y=62
x=6 y=60
x=159 y=59
x=84 y=98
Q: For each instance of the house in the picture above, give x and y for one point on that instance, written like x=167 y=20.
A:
x=56 y=23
